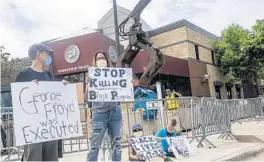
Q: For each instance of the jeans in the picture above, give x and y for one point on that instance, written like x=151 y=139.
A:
x=111 y=120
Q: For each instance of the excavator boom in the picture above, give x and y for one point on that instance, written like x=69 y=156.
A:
x=137 y=42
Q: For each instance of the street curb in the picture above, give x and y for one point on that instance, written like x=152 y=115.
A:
x=243 y=154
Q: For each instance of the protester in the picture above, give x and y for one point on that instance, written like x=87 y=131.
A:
x=41 y=58
x=105 y=115
x=137 y=131
x=169 y=131
x=171 y=103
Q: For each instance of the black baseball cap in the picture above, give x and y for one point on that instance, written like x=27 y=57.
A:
x=32 y=51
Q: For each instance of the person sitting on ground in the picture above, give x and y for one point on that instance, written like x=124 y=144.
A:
x=169 y=131
x=137 y=131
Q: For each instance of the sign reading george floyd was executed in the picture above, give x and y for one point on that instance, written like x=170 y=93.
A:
x=44 y=112
x=110 y=84
x=146 y=147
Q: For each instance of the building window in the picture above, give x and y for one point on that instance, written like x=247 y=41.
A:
x=213 y=57
x=197 y=52
x=229 y=92
x=238 y=91
x=217 y=92
x=218 y=61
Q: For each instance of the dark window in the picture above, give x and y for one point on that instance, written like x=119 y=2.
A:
x=181 y=85
x=219 y=62
x=197 y=52
x=217 y=92
x=229 y=92
x=238 y=90
x=213 y=57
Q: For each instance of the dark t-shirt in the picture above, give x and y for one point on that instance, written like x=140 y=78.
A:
x=29 y=74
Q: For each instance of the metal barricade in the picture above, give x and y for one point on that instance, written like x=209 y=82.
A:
x=213 y=116
x=197 y=118
x=214 y=119
x=243 y=110
x=9 y=151
x=81 y=143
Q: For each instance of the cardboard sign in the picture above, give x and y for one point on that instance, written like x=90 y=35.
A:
x=110 y=84
x=44 y=112
x=152 y=105
x=146 y=147
x=180 y=147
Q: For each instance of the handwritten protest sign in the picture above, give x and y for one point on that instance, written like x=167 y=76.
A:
x=180 y=147
x=146 y=147
x=110 y=84
x=44 y=112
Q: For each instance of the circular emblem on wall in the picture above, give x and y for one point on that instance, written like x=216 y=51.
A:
x=72 y=54
x=112 y=53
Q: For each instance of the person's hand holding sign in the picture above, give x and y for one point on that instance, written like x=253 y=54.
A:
x=65 y=82
x=88 y=79
x=135 y=82
x=169 y=149
x=35 y=81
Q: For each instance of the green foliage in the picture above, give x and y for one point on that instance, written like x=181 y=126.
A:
x=5 y=62
x=242 y=51
x=8 y=73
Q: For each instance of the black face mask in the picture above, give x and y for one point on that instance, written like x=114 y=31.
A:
x=169 y=134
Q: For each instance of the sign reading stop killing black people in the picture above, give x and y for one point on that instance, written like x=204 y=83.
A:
x=44 y=112
x=146 y=147
x=110 y=84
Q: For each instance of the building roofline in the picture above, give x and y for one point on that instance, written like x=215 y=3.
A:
x=110 y=12
x=123 y=11
x=77 y=33
x=179 y=24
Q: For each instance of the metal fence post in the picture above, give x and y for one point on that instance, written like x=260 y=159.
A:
x=159 y=95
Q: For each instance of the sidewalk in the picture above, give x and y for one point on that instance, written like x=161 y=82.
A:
x=226 y=149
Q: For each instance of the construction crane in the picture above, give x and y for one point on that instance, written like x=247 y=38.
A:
x=137 y=41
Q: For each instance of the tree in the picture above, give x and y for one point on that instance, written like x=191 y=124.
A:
x=242 y=54
x=5 y=65
x=8 y=72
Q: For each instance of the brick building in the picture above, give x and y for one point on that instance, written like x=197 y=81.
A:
x=187 y=41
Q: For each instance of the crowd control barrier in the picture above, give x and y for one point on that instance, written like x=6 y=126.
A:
x=197 y=118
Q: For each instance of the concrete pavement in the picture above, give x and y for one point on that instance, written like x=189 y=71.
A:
x=226 y=149
x=259 y=157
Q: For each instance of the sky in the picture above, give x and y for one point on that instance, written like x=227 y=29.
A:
x=25 y=22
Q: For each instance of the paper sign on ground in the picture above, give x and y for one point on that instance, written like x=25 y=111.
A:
x=146 y=147
x=180 y=147
x=110 y=84
x=44 y=112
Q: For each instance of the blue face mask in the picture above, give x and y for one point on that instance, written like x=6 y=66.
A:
x=48 y=60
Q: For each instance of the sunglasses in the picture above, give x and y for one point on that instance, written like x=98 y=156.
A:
x=137 y=130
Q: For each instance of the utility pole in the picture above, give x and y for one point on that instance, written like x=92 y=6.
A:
x=116 y=28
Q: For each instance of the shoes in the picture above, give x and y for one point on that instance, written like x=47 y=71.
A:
x=167 y=159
